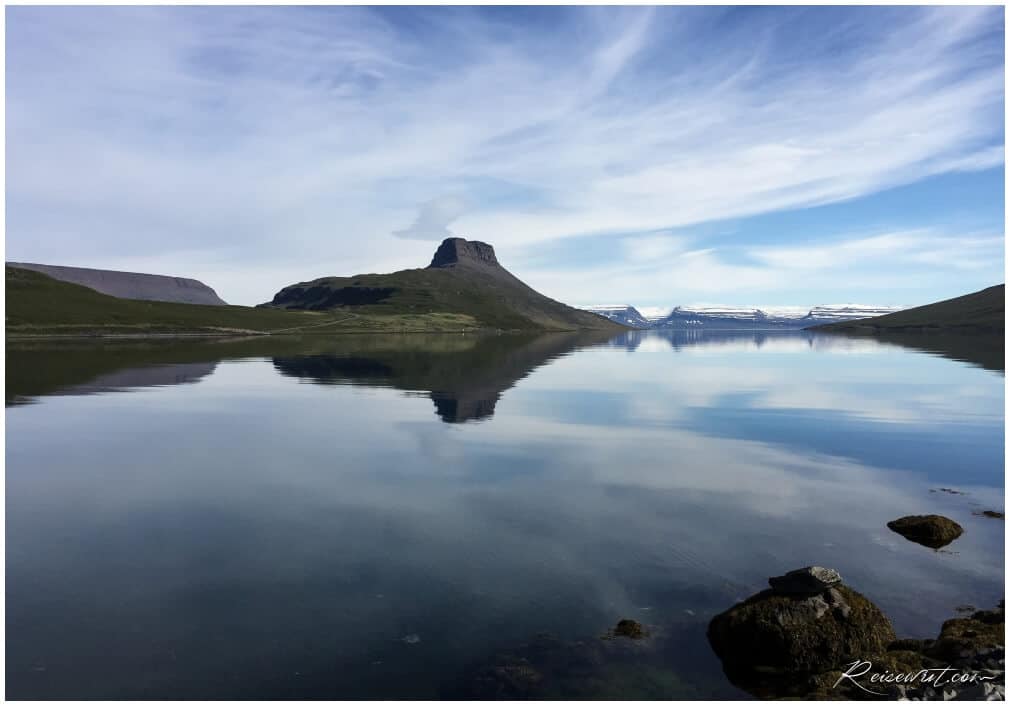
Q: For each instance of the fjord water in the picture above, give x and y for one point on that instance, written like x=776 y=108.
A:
x=381 y=516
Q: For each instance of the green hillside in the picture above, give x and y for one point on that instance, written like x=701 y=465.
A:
x=40 y=305
x=979 y=312
x=464 y=278
x=463 y=293
x=435 y=290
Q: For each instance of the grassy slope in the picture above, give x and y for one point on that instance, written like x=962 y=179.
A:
x=40 y=305
x=979 y=312
x=500 y=301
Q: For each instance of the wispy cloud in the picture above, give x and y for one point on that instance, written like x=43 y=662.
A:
x=433 y=219
x=190 y=137
x=896 y=263
x=890 y=250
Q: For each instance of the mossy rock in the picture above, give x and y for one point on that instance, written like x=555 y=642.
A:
x=630 y=628
x=933 y=531
x=771 y=632
x=960 y=638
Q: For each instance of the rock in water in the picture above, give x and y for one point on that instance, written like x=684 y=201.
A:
x=932 y=531
x=790 y=633
x=806 y=581
x=629 y=628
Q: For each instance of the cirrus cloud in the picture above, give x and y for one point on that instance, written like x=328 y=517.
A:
x=181 y=138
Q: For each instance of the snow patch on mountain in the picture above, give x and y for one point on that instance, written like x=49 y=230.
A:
x=621 y=313
x=654 y=313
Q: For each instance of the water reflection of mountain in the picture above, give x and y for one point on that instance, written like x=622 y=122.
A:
x=82 y=368
x=463 y=376
x=664 y=339
x=983 y=350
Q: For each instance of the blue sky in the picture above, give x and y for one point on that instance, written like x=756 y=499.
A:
x=653 y=156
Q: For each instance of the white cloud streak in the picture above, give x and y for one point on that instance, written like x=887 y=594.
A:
x=878 y=262
x=188 y=138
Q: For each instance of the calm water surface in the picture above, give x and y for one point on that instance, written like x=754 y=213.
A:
x=381 y=516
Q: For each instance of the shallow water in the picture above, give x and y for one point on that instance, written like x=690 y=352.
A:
x=377 y=516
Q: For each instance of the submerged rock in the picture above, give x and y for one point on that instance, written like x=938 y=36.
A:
x=629 y=628
x=992 y=513
x=933 y=531
x=509 y=678
x=788 y=632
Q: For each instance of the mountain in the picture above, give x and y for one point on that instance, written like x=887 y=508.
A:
x=734 y=318
x=979 y=312
x=847 y=312
x=40 y=305
x=622 y=314
x=755 y=319
x=721 y=317
x=464 y=279
x=463 y=289
x=130 y=285
x=655 y=313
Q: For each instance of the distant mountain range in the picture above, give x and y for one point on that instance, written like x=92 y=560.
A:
x=738 y=318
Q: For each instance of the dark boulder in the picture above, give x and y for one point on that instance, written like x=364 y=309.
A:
x=794 y=633
x=932 y=531
x=777 y=645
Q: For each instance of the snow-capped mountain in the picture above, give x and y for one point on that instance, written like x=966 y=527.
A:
x=655 y=313
x=772 y=318
x=622 y=314
x=729 y=317
x=847 y=312
x=726 y=317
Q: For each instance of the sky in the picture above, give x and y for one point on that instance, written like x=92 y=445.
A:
x=651 y=156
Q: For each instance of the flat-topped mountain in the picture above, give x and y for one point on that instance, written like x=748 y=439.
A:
x=471 y=253
x=130 y=285
x=463 y=279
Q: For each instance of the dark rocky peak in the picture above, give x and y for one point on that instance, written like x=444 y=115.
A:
x=457 y=251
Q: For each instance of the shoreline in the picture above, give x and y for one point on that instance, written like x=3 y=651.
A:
x=265 y=334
